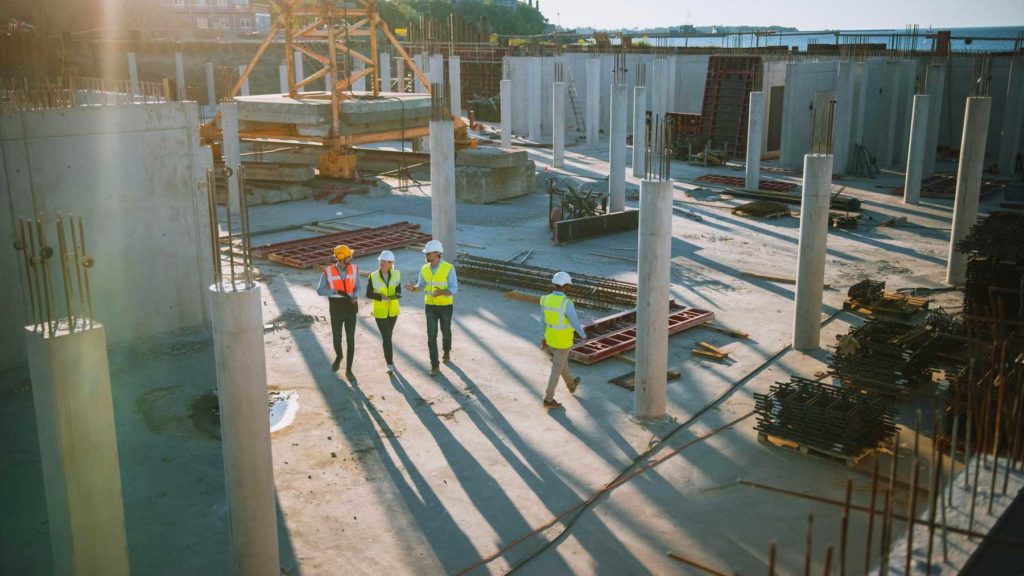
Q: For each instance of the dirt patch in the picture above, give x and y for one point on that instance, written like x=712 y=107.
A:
x=886 y=268
x=204 y=412
x=291 y=320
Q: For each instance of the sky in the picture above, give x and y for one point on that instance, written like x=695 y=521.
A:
x=802 y=14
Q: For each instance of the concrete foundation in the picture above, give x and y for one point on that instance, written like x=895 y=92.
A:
x=558 y=124
x=78 y=446
x=639 y=130
x=936 y=87
x=617 y=149
x=1009 y=146
x=179 y=75
x=654 y=247
x=506 y=113
x=810 y=276
x=968 y=183
x=442 y=182
x=455 y=84
x=485 y=175
x=245 y=429
x=755 y=134
x=916 y=149
x=593 y=103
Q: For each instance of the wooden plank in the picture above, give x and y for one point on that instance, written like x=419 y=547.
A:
x=712 y=348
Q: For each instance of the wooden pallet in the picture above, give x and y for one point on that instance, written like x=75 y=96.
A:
x=851 y=461
x=891 y=304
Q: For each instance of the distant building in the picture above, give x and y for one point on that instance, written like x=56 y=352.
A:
x=238 y=16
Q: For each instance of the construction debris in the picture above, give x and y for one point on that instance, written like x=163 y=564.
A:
x=615 y=334
x=867 y=291
x=869 y=297
x=843 y=221
x=838 y=202
x=568 y=200
x=319 y=251
x=764 y=185
x=565 y=231
x=762 y=209
x=944 y=186
x=995 y=266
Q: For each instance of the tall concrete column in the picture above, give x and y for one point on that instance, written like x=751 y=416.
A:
x=455 y=84
x=179 y=75
x=437 y=69
x=655 y=250
x=891 y=83
x=360 y=84
x=1013 y=117
x=506 y=113
x=936 y=87
x=593 y=101
x=755 y=137
x=916 y=149
x=968 y=183
x=78 y=448
x=211 y=86
x=384 y=72
x=245 y=428
x=133 y=74
x=418 y=86
x=659 y=88
x=442 y=184
x=282 y=77
x=244 y=90
x=232 y=149
x=843 y=118
x=810 y=277
x=558 y=124
x=639 y=130
x=300 y=73
x=617 y=148
x=400 y=75
x=534 y=95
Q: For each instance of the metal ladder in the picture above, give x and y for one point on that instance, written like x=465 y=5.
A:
x=574 y=102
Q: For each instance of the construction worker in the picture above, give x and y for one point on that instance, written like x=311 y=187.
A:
x=437 y=278
x=559 y=321
x=385 y=288
x=340 y=284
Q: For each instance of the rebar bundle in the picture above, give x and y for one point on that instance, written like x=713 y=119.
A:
x=885 y=357
x=594 y=292
x=995 y=266
x=839 y=421
x=574 y=201
x=867 y=291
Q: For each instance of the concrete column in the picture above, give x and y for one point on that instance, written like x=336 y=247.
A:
x=968 y=183
x=384 y=71
x=916 y=148
x=179 y=75
x=755 y=137
x=245 y=429
x=442 y=184
x=328 y=82
x=670 y=86
x=133 y=74
x=893 y=75
x=360 y=84
x=232 y=147
x=593 y=120
x=400 y=75
x=843 y=119
x=300 y=74
x=936 y=86
x=810 y=277
x=639 y=130
x=558 y=124
x=78 y=449
x=282 y=77
x=244 y=90
x=506 y=113
x=655 y=250
x=534 y=98
x=455 y=84
x=211 y=86
x=437 y=69
x=659 y=88
x=1009 y=145
x=417 y=84
x=617 y=148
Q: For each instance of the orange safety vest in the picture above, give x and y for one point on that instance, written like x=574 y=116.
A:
x=346 y=284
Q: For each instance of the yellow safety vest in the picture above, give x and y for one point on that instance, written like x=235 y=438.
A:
x=433 y=282
x=387 y=309
x=557 y=329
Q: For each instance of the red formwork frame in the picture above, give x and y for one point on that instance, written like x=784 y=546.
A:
x=766 y=185
x=318 y=251
x=616 y=334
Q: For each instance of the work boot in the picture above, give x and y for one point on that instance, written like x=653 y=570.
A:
x=336 y=364
x=391 y=368
x=447 y=358
x=434 y=369
x=575 y=383
x=552 y=404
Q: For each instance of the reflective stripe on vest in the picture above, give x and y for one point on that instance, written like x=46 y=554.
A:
x=434 y=281
x=557 y=329
x=346 y=284
x=387 y=309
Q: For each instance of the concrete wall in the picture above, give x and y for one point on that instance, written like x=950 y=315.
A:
x=136 y=174
x=803 y=81
x=960 y=74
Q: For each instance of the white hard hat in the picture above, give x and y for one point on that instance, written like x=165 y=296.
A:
x=561 y=279
x=433 y=246
x=386 y=256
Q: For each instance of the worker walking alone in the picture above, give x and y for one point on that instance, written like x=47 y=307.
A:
x=339 y=282
x=385 y=288
x=439 y=283
x=559 y=322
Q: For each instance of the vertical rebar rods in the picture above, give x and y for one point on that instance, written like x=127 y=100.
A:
x=242 y=279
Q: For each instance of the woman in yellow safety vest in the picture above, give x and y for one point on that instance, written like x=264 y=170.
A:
x=385 y=288
x=560 y=323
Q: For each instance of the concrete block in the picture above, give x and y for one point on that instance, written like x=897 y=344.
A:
x=491 y=157
x=475 y=185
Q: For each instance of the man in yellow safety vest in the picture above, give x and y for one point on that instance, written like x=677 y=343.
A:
x=439 y=283
x=559 y=322
x=385 y=288
x=339 y=282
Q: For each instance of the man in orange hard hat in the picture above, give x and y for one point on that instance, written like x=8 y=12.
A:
x=339 y=282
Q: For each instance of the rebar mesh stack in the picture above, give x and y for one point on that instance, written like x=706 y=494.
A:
x=885 y=357
x=995 y=249
x=867 y=291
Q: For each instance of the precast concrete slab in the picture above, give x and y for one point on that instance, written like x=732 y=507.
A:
x=360 y=114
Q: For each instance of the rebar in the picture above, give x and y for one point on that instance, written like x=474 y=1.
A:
x=440 y=105
x=871 y=516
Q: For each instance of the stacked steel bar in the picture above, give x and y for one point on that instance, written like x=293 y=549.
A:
x=837 y=421
x=597 y=292
x=885 y=357
x=867 y=291
x=995 y=249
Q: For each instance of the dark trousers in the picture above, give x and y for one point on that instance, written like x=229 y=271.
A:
x=387 y=327
x=343 y=314
x=438 y=315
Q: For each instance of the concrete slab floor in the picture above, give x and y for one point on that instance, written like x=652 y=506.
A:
x=410 y=474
